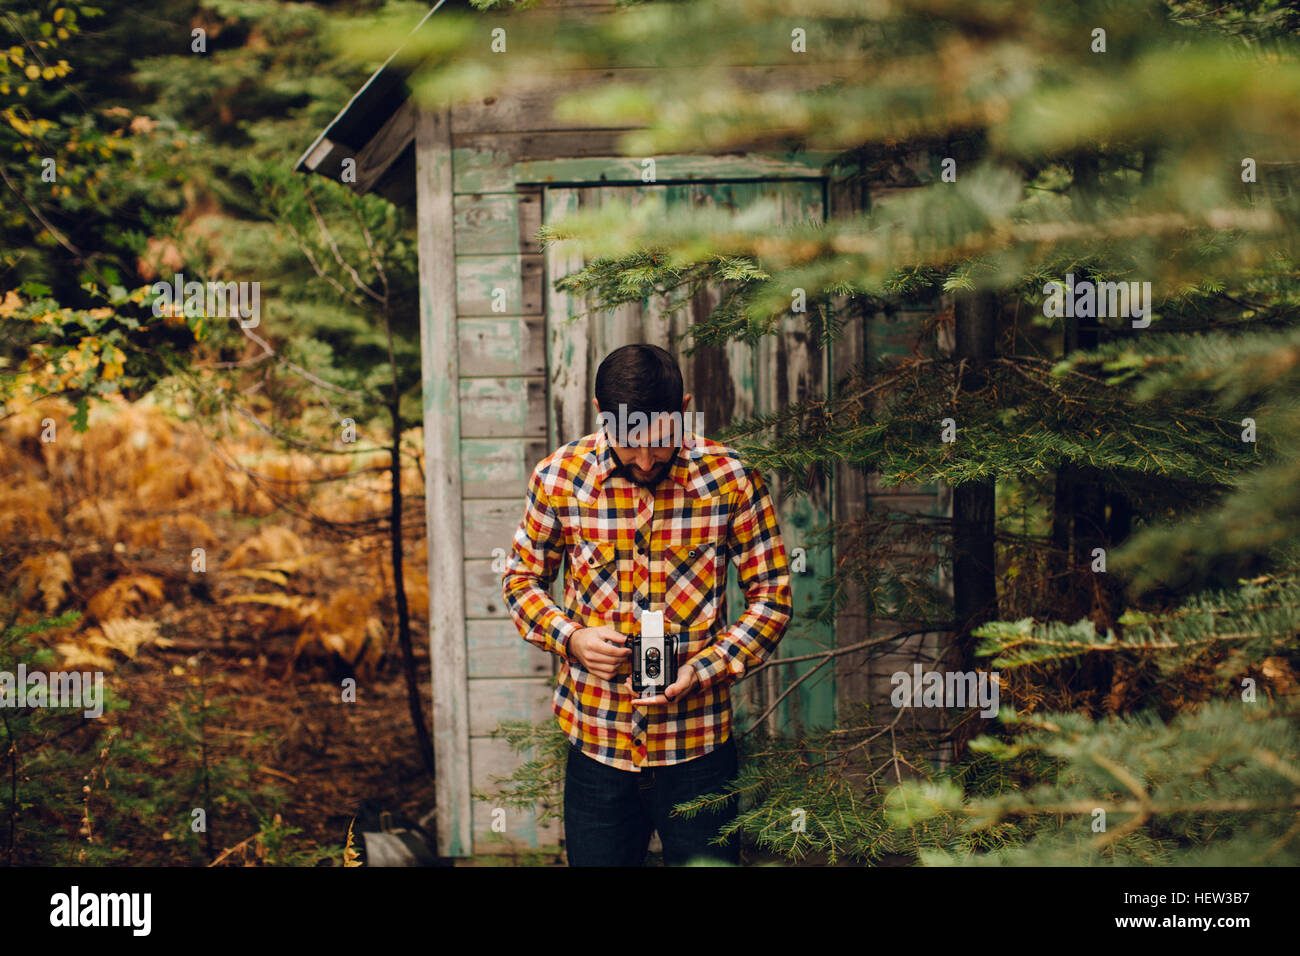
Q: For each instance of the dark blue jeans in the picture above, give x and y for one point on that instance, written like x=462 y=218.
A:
x=610 y=813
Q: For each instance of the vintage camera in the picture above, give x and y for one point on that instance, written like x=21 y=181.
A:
x=654 y=656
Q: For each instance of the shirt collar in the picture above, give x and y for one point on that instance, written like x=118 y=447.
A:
x=684 y=470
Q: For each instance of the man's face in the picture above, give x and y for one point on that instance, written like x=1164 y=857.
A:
x=647 y=464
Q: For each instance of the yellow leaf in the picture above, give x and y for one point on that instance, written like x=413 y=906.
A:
x=113 y=362
x=46 y=574
x=76 y=657
x=33 y=71
x=350 y=856
x=127 y=635
x=128 y=594
x=292 y=564
x=292 y=601
x=275 y=577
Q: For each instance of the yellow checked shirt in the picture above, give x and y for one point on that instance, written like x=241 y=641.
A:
x=630 y=549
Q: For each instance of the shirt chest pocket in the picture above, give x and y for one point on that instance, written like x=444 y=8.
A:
x=595 y=574
x=691 y=582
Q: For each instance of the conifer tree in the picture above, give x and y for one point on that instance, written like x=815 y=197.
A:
x=1125 y=471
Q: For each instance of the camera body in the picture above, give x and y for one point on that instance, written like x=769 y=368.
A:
x=654 y=656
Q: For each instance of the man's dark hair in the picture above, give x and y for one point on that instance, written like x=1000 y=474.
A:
x=643 y=377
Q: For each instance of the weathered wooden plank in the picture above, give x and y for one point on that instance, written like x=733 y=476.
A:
x=375 y=158
x=846 y=199
x=508 y=346
x=530 y=219
x=621 y=170
x=487 y=224
x=488 y=285
x=495 y=467
x=490 y=523
x=483 y=596
x=532 y=274
x=496 y=649
x=501 y=161
x=498 y=285
x=569 y=333
x=484 y=162
x=439 y=373
x=494 y=699
x=502 y=407
x=493 y=758
x=482 y=168
x=532 y=108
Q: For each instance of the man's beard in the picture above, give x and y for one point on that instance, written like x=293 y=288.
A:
x=657 y=474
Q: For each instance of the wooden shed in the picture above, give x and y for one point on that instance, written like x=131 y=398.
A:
x=508 y=374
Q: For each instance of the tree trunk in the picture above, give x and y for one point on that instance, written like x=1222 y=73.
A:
x=422 y=739
x=975 y=595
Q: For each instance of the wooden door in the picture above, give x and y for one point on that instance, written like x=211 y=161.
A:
x=730 y=383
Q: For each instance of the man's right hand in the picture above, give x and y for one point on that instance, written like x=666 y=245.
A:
x=599 y=649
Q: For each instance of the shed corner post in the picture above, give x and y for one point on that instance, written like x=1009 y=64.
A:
x=439 y=366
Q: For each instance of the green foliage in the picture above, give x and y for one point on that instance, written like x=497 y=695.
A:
x=42 y=781
x=1122 y=166
x=1215 y=787
x=537 y=784
x=80 y=790
x=1241 y=627
x=1128 y=164
x=827 y=798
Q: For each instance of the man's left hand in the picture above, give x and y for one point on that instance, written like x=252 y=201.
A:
x=685 y=683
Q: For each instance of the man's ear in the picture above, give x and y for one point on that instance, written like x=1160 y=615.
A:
x=688 y=440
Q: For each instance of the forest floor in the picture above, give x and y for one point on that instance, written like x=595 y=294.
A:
x=231 y=593
x=227 y=612
x=297 y=748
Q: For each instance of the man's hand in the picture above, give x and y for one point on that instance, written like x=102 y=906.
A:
x=599 y=649
x=685 y=683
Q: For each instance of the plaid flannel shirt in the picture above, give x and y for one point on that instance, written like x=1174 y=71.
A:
x=630 y=549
